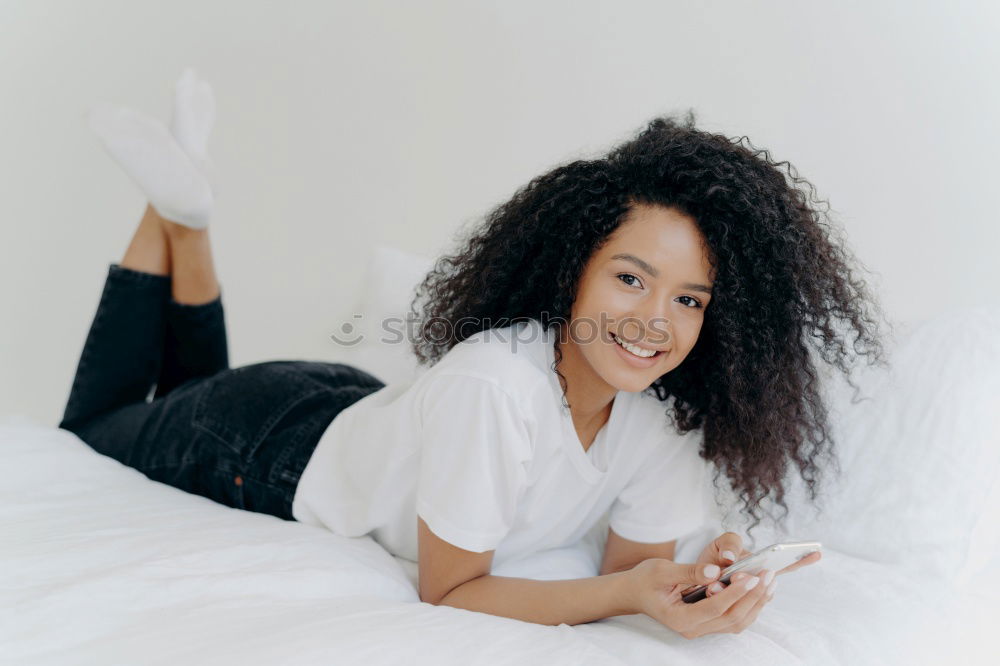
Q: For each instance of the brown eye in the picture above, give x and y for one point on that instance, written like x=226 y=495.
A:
x=693 y=300
x=628 y=275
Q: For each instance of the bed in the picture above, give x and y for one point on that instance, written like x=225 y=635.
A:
x=100 y=565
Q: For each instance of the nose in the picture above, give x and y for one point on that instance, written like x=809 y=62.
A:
x=655 y=330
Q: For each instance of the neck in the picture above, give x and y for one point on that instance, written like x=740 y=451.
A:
x=589 y=396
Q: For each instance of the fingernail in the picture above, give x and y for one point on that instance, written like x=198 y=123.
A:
x=752 y=583
x=768 y=578
x=728 y=554
x=712 y=570
x=770 y=589
x=716 y=587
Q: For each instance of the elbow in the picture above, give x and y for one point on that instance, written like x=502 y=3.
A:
x=428 y=598
x=439 y=598
x=434 y=598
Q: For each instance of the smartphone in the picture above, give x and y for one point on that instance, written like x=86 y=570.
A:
x=773 y=558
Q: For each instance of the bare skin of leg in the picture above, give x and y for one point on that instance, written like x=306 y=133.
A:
x=162 y=247
x=148 y=252
x=194 y=281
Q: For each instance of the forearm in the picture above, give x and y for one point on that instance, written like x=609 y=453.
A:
x=551 y=602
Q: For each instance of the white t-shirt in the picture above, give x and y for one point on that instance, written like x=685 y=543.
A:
x=482 y=448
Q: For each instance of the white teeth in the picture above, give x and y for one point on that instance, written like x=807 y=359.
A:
x=638 y=351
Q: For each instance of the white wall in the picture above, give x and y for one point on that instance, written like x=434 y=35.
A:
x=341 y=125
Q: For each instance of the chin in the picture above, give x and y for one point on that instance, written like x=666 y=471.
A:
x=632 y=382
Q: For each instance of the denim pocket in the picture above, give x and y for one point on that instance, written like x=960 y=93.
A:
x=240 y=406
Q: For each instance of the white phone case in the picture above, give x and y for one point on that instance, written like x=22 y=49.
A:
x=773 y=558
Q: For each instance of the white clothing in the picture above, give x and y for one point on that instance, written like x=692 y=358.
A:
x=482 y=448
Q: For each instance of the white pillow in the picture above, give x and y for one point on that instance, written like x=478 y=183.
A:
x=384 y=347
x=919 y=456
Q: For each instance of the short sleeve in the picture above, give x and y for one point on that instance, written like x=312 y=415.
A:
x=667 y=497
x=474 y=451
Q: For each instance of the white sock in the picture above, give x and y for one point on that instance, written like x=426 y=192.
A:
x=155 y=160
x=192 y=121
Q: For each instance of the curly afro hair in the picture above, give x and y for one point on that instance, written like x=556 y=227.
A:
x=783 y=279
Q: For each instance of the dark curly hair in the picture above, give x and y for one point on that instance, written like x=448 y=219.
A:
x=782 y=279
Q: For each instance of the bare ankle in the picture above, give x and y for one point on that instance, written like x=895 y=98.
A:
x=168 y=226
x=148 y=251
x=177 y=230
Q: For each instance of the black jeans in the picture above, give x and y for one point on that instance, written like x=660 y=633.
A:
x=154 y=390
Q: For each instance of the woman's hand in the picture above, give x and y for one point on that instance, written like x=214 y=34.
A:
x=723 y=551
x=656 y=586
x=728 y=548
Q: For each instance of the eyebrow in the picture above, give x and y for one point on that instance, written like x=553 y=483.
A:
x=693 y=286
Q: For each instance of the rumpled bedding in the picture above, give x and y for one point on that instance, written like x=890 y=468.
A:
x=100 y=565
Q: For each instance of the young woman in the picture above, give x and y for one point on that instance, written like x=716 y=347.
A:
x=606 y=311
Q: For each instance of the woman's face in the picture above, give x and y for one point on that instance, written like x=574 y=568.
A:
x=648 y=285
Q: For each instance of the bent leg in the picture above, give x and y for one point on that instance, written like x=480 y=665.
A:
x=241 y=437
x=195 y=343
x=140 y=337
x=121 y=356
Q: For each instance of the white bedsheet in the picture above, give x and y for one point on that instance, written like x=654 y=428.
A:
x=100 y=565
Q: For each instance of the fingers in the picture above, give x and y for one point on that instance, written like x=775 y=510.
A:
x=765 y=595
x=713 y=608
x=719 y=585
x=743 y=552
x=743 y=609
x=728 y=546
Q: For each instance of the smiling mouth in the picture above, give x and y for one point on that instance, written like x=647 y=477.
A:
x=636 y=350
